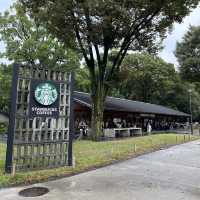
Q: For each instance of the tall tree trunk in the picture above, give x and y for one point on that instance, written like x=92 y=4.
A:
x=98 y=99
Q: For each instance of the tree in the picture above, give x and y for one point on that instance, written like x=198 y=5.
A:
x=145 y=78
x=82 y=80
x=150 y=79
x=188 y=54
x=30 y=43
x=178 y=98
x=5 y=82
x=99 y=26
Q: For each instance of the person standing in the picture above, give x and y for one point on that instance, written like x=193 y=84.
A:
x=149 y=128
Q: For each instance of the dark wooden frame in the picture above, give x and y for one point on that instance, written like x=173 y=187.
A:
x=11 y=127
x=30 y=145
x=71 y=121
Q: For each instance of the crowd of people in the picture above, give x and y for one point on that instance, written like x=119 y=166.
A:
x=147 y=125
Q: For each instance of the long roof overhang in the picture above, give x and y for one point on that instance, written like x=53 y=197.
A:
x=125 y=105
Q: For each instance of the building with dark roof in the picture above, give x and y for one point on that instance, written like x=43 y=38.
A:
x=134 y=112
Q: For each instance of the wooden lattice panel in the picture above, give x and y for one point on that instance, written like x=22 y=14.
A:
x=41 y=142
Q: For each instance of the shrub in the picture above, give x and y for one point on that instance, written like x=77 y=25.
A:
x=3 y=127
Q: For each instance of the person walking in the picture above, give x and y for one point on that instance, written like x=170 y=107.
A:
x=149 y=128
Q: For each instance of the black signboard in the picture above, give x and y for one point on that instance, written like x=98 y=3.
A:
x=44 y=99
x=40 y=132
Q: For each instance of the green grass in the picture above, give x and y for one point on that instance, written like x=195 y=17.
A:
x=89 y=155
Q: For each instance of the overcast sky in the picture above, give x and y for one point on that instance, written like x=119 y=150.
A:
x=169 y=43
x=179 y=30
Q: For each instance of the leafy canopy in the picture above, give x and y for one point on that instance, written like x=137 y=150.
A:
x=30 y=43
x=145 y=77
x=188 y=54
x=150 y=79
x=5 y=82
x=98 y=26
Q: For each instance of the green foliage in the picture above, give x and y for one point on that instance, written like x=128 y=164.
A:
x=148 y=78
x=5 y=83
x=96 y=27
x=188 y=54
x=3 y=128
x=98 y=20
x=28 y=42
x=83 y=80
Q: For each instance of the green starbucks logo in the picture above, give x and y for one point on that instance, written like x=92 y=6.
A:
x=46 y=94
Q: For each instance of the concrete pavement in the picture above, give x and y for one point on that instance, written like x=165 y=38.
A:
x=171 y=174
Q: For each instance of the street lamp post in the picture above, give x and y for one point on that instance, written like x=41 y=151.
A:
x=190 y=106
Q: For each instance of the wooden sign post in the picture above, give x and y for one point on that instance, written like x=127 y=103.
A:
x=41 y=119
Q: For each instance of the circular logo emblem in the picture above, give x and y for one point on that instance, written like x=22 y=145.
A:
x=46 y=94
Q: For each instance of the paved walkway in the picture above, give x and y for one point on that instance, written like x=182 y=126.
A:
x=171 y=174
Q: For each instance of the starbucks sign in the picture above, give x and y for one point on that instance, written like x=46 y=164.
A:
x=46 y=94
x=44 y=99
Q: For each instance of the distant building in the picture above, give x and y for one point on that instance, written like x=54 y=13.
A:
x=129 y=113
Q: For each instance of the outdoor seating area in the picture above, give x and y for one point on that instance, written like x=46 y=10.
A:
x=126 y=118
x=122 y=132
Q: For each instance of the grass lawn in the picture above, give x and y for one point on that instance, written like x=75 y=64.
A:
x=90 y=155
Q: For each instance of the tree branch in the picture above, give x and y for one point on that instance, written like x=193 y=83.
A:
x=127 y=40
x=89 y=39
x=97 y=54
x=105 y=56
x=77 y=33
